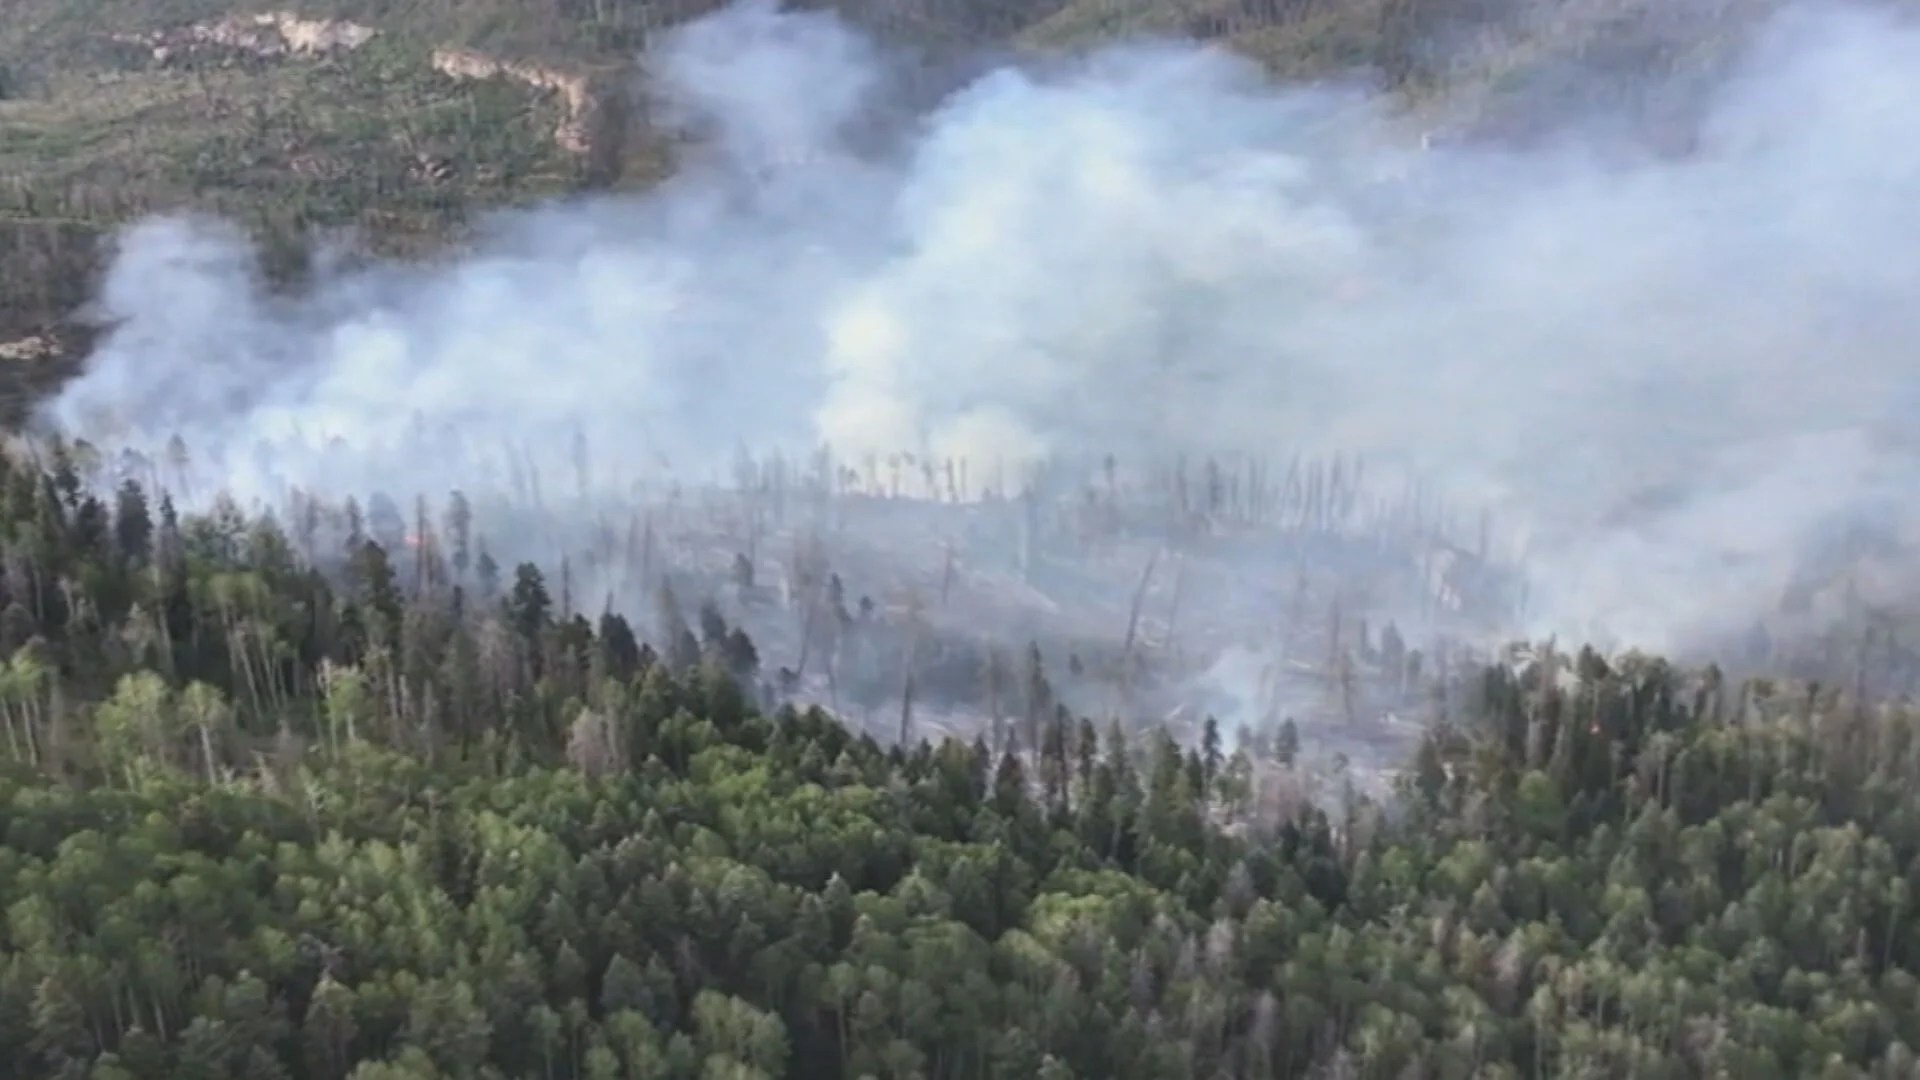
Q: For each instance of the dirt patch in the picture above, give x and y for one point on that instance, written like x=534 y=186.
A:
x=586 y=123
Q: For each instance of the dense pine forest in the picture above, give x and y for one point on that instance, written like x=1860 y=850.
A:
x=270 y=813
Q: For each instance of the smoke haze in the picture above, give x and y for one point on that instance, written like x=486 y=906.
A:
x=1665 y=376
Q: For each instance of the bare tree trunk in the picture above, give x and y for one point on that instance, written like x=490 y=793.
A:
x=906 y=709
x=1139 y=597
x=1133 y=627
x=1173 y=609
x=14 y=746
x=806 y=631
x=946 y=576
x=206 y=750
x=1333 y=641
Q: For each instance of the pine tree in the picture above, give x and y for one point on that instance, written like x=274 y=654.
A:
x=528 y=607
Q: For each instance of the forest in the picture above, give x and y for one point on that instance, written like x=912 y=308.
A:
x=411 y=817
x=730 y=785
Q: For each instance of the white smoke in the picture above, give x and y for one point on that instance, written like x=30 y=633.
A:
x=1148 y=250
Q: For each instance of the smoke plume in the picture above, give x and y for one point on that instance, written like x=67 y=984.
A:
x=1665 y=375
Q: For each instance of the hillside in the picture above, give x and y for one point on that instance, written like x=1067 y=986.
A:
x=402 y=121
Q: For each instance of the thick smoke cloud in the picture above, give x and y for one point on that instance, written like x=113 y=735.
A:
x=1668 y=375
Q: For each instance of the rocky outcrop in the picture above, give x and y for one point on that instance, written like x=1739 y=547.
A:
x=30 y=350
x=588 y=119
x=271 y=34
